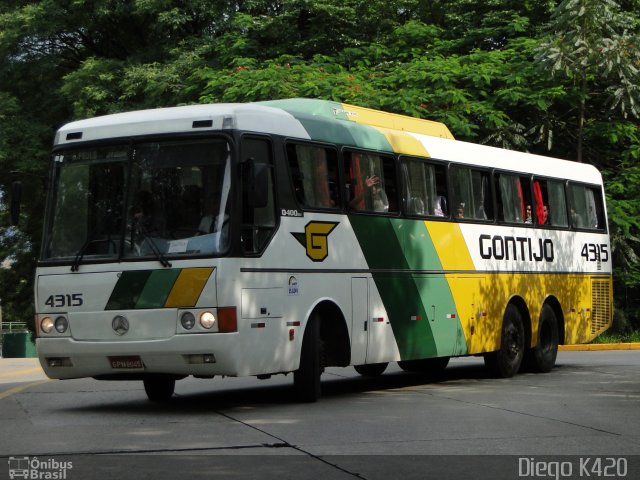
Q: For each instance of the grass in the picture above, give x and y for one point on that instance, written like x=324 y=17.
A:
x=630 y=337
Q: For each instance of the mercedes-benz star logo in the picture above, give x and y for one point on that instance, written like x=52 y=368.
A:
x=120 y=325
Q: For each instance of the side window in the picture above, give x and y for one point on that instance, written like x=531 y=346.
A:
x=550 y=203
x=371 y=182
x=470 y=193
x=424 y=188
x=514 y=199
x=314 y=173
x=258 y=203
x=587 y=207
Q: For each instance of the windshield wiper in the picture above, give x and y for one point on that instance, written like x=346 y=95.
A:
x=76 y=261
x=154 y=246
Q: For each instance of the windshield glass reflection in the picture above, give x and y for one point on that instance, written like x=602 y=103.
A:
x=159 y=199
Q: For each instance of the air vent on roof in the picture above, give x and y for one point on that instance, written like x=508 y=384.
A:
x=202 y=123
x=74 y=136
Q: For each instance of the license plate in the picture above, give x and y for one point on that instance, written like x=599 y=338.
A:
x=126 y=362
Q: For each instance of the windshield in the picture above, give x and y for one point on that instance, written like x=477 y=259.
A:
x=160 y=199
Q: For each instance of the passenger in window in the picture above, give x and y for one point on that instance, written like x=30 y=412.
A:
x=377 y=196
x=321 y=180
x=545 y=215
x=145 y=214
x=574 y=218
x=528 y=218
x=460 y=211
x=440 y=209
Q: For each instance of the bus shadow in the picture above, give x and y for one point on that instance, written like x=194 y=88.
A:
x=334 y=387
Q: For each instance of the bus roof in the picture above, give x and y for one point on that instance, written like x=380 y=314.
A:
x=504 y=159
x=321 y=121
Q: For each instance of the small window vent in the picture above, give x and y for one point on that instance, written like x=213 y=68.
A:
x=202 y=124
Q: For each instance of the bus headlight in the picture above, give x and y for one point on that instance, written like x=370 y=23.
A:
x=61 y=324
x=187 y=320
x=46 y=325
x=207 y=319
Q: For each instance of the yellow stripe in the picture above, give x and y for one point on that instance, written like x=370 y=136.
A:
x=402 y=142
x=450 y=245
x=394 y=121
x=20 y=388
x=21 y=372
x=188 y=287
x=481 y=299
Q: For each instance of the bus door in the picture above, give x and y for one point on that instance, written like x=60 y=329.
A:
x=372 y=339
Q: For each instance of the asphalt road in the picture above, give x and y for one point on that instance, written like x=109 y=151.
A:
x=582 y=418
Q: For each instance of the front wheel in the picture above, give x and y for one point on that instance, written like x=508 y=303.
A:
x=506 y=362
x=306 y=380
x=159 y=389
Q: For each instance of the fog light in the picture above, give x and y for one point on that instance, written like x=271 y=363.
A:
x=61 y=324
x=46 y=325
x=207 y=319
x=187 y=320
x=59 y=362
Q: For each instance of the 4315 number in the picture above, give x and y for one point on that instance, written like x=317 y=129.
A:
x=66 y=300
x=595 y=252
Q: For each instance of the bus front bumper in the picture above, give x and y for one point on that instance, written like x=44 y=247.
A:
x=179 y=355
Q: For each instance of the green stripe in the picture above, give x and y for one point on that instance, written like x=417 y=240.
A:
x=319 y=120
x=405 y=245
x=127 y=290
x=155 y=292
x=142 y=289
x=382 y=250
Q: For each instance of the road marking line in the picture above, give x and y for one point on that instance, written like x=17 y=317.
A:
x=20 y=388
x=20 y=372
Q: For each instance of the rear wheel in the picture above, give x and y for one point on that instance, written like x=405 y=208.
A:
x=306 y=380
x=542 y=357
x=506 y=362
x=159 y=389
x=371 y=370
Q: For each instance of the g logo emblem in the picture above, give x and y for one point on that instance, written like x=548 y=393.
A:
x=314 y=239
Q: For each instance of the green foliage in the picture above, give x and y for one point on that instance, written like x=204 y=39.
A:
x=590 y=45
x=528 y=75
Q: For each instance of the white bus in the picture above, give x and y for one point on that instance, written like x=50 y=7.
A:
x=293 y=235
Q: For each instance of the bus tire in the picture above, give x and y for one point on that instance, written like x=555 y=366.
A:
x=542 y=357
x=425 y=365
x=371 y=369
x=159 y=389
x=306 y=380
x=506 y=362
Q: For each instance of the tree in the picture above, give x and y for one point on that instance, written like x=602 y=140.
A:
x=589 y=43
x=468 y=64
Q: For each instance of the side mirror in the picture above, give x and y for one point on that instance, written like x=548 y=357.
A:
x=257 y=184
x=16 y=196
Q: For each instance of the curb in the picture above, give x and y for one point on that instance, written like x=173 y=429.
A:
x=599 y=347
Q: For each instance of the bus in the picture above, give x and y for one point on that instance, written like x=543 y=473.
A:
x=292 y=235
